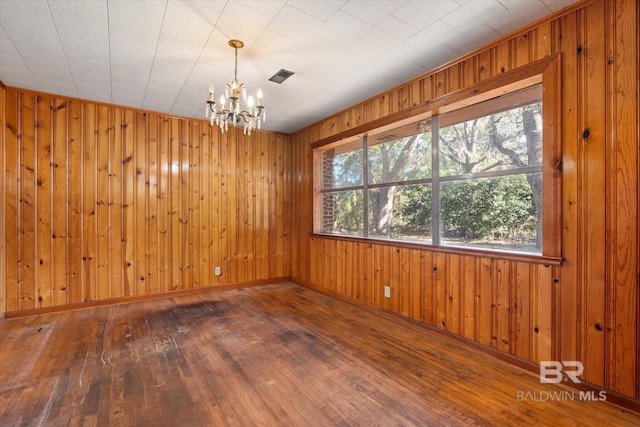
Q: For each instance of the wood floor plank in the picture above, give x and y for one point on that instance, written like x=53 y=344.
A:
x=277 y=355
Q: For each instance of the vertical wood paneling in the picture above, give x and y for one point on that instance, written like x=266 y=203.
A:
x=128 y=207
x=89 y=224
x=571 y=220
x=585 y=310
x=3 y=237
x=13 y=116
x=521 y=304
x=153 y=273
x=592 y=71
x=46 y=236
x=502 y=306
x=27 y=261
x=104 y=202
x=103 y=124
x=622 y=153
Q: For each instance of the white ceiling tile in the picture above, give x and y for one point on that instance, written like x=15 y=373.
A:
x=6 y=46
x=128 y=88
x=319 y=9
x=79 y=19
x=388 y=32
x=268 y=7
x=420 y=14
x=140 y=71
x=371 y=11
x=20 y=18
x=475 y=13
x=85 y=65
x=433 y=37
x=294 y=23
x=162 y=92
x=479 y=36
x=85 y=48
x=135 y=23
x=126 y=100
x=182 y=110
x=16 y=74
x=239 y=21
x=101 y=93
x=555 y=5
x=11 y=61
x=342 y=28
x=91 y=79
x=58 y=88
x=46 y=74
x=518 y=15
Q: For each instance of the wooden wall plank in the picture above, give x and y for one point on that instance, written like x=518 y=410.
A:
x=164 y=225
x=115 y=205
x=128 y=208
x=89 y=217
x=59 y=115
x=75 y=184
x=3 y=177
x=155 y=278
x=622 y=153
x=195 y=225
x=12 y=150
x=46 y=190
x=103 y=139
x=592 y=69
x=27 y=261
x=571 y=171
x=522 y=316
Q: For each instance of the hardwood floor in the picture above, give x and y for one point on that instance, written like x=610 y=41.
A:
x=271 y=355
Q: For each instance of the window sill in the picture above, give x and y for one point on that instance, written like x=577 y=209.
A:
x=480 y=253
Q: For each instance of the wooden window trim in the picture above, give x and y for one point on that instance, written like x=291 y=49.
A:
x=547 y=72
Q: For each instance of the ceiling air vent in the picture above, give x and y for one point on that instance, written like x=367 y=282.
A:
x=281 y=76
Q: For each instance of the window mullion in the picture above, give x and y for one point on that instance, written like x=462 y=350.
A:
x=435 y=184
x=365 y=186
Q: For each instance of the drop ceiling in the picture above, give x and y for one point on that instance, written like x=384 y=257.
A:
x=162 y=55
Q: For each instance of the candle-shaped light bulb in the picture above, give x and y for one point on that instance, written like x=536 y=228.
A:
x=210 y=93
x=222 y=101
x=250 y=104
x=259 y=96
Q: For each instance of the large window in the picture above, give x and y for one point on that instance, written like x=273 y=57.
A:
x=472 y=178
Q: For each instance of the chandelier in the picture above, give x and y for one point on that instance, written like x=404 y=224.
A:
x=235 y=107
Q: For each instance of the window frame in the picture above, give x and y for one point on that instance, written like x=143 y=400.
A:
x=545 y=72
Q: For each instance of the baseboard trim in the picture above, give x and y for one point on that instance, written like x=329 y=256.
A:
x=620 y=400
x=136 y=298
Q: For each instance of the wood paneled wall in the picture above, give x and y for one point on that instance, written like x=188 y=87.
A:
x=104 y=202
x=585 y=310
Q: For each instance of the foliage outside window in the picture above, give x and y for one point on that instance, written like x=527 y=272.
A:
x=469 y=178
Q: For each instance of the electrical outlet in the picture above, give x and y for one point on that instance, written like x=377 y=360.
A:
x=387 y=291
x=217 y=271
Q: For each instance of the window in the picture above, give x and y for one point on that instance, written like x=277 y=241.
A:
x=471 y=177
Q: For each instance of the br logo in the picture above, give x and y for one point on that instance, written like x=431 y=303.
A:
x=552 y=371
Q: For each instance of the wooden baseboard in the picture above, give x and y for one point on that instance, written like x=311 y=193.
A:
x=624 y=402
x=128 y=299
